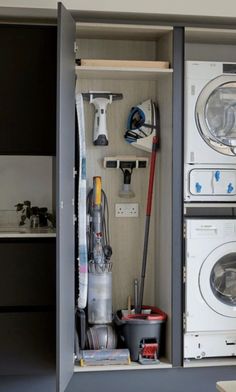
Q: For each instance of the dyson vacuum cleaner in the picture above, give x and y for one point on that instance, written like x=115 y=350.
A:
x=101 y=336
x=99 y=254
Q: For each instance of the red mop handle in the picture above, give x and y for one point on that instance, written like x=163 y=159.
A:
x=148 y=217
x=151 y=175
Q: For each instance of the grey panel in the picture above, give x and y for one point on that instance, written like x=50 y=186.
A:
x=65 y=195
x=27 y=272
x=27 y=383
x=27 y=342
x=165 y=380
x=177 y=196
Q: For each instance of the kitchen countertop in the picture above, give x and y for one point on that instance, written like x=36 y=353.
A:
x=226 y=386
x=18 y=232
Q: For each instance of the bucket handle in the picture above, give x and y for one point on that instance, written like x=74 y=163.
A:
x=118 y=321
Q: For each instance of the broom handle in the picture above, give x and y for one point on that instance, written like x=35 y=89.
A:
x=147 y=223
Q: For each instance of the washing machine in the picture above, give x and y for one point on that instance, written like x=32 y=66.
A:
x=210 y=288
x=210 y=131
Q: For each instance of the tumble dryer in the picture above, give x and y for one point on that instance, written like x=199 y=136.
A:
x=210 y=131
x=210 y=288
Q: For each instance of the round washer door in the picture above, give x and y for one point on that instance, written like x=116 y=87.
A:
x=217 y=279
x=215 y=114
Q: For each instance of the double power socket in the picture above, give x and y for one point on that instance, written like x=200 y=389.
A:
x=126 y=210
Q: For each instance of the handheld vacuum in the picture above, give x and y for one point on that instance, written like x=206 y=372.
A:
x=101 y=99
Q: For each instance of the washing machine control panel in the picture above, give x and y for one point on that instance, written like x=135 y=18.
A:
x=211 y=228
x=229 y=68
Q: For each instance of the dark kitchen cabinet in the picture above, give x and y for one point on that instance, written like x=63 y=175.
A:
x=28 y=75
x=28 y=89
x=27 y=273
x=37 y=118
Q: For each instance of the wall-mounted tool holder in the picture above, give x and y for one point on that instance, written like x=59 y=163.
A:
x=126 y=164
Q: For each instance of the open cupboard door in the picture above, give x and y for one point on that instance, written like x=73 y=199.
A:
x=65 y=196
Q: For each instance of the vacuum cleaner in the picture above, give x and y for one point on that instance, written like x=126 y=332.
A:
x=101 y=336
x=99 y=255
x=101 y=99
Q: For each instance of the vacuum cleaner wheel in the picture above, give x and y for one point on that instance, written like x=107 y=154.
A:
x=101 y=337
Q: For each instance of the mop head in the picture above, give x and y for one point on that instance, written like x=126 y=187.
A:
x=142 y=125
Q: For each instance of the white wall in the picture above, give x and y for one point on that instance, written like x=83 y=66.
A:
x=25 y=178
x=172 y=7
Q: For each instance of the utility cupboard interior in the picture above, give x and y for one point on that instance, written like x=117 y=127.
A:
x=144 y=43
x=108 y=41
x=164 y=280
x=164 y=283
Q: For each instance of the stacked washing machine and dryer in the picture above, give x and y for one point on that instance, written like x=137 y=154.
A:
x=210 y=177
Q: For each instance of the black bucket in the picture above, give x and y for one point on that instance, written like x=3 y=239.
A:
x=137 y=330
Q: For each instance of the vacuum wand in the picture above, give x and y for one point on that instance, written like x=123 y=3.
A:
x=101 y=99
x=147 y=224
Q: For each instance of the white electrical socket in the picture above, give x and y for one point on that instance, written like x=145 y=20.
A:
x=126 y=210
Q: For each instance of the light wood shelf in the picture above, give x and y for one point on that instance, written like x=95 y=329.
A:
x=121 y=31
x=33 y=233
x=133 y=366
x=226 y=386
x=127 y=73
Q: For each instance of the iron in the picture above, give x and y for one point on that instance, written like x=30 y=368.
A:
x=142 y=125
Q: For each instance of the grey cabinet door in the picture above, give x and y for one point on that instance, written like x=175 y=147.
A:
x=65 y=196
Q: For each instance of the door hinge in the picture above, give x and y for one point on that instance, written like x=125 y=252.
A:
x=184 y=274
x=74 y=219
x=75 y=47
x=74 y=172
x=184 y=230
x=184 y=321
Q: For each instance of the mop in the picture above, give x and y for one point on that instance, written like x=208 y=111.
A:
x=155 y=145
